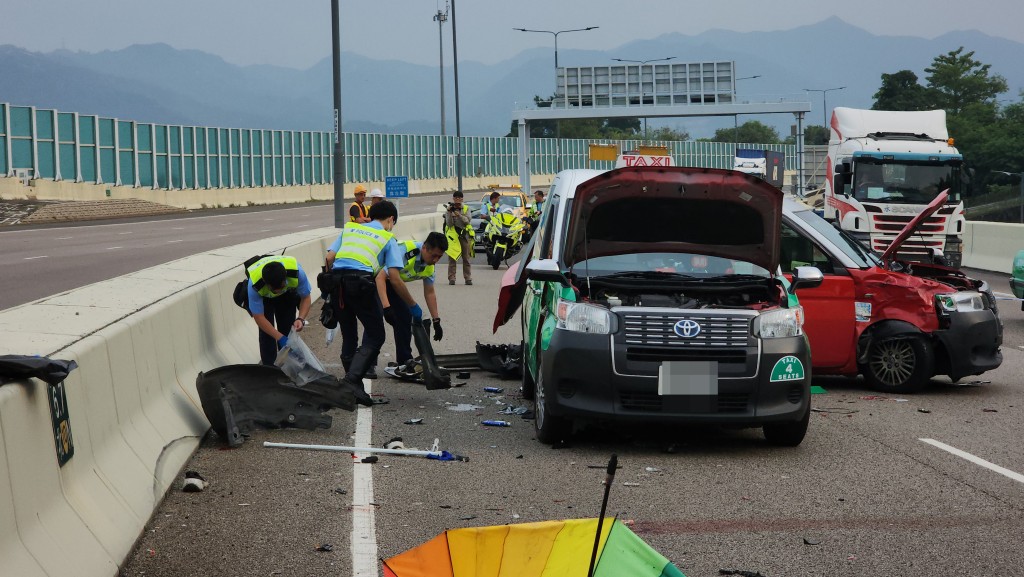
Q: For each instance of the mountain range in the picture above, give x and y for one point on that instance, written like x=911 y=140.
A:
x=161 y=84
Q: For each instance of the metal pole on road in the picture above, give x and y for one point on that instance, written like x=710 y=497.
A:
x=458 y=120
x=441 y=18
x=339 y=151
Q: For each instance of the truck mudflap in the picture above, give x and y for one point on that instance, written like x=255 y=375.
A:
x=972 y=343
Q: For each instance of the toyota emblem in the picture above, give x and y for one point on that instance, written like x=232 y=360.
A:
x=687 y=328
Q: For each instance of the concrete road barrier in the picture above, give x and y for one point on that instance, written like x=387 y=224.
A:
x=139 y=341
x=992 y=245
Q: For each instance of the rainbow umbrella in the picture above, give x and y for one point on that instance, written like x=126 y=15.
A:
x=544 y=549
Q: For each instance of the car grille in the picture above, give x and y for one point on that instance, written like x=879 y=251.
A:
x=657 y=355
x=652 y=403
x=657 y=329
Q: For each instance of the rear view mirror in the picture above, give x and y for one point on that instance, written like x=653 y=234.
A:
x=805 y=277
x=546 y=270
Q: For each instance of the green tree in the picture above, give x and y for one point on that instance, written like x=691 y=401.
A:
x=813 y=135
x=751 y=131
x=901 y=91
x=666 y=134
x=958 y=81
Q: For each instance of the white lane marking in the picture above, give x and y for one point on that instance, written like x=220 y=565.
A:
x=265 y=230
x=174 y=241
x=225 y=223
x=35 y=257
x=223 y=235
x=129 y=232
x=113 y=247
x=364 y=532
x=178 y=228
x=268 y=219
x=63 y=238
x=976 y=460
x=300 y=225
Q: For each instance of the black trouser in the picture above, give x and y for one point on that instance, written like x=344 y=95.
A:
x=358 y=301
x=402 y=326
x=282 y=309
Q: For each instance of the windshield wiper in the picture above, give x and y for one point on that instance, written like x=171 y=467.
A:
x=646 y=274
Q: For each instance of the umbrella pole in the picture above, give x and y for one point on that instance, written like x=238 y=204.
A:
x=613 y=464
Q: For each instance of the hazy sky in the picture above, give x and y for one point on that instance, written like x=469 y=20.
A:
x=297 y=33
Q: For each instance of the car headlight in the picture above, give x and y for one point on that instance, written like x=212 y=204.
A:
x=584 y=318
x=780 y=323
x=961 y=302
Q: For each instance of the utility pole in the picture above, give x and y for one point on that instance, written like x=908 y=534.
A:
x=458 y=123
x=339 y=150
x=441 y=18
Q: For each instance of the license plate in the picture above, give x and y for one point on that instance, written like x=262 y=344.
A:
x=688 y=378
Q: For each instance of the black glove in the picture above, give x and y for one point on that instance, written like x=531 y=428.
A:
x=438 y=331
x=389 y=316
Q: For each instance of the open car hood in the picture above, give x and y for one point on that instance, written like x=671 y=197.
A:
x=676 y=209
x=672 y=209
x=914 y=224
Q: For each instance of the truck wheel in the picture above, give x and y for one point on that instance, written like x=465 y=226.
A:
x=899 y=364
x=550 y=429
x=788 y=434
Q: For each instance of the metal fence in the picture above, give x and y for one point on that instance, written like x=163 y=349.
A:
x=49 y=144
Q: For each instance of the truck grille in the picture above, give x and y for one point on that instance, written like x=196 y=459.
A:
x=657 y=329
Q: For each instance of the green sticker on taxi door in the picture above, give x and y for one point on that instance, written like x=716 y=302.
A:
x=787 y=369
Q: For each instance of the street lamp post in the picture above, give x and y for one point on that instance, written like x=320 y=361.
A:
x=441 y=18
x=641 y=63
x=458 y=121
x=339 y=151
x=824 y=105
x=558 y=123
x=1021 y=175
x=555 y=33
x=736 y=117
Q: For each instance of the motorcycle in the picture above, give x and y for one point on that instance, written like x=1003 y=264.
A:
x=503 y=238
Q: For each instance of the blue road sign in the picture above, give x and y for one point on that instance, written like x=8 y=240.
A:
x=396 y=186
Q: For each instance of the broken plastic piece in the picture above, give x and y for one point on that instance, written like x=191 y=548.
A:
x=52 y=371
x=325 y=548
x=371 y=459
x=414 y=422
x=240 y=398
x=194 y=482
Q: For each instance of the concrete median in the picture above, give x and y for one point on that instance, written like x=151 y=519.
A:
x=139 y=341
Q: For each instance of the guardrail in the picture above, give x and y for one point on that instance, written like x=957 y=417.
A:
x=139 y=340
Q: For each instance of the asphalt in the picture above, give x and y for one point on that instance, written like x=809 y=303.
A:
x=862 y=494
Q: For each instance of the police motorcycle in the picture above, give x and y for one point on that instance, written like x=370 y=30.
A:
x=503 y=237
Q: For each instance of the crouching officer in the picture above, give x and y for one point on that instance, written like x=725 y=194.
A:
x=417 y=263
x=357 y=255
x=277 y=286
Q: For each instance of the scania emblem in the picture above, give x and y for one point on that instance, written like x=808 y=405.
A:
x=687 y=328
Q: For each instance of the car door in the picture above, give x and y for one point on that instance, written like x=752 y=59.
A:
x=829 y=310
x=534 y=299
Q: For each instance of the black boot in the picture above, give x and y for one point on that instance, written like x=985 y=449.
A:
x=364 y=358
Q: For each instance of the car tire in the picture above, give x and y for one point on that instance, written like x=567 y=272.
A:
x=550 y=429
x=789 y=434
x=899 y=364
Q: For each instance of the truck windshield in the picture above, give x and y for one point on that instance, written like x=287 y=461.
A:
x=905 y=181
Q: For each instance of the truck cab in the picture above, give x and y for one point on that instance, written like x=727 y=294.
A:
x=884 y=167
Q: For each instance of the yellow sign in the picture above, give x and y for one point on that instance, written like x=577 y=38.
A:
x=652 y=150
x=604 y=151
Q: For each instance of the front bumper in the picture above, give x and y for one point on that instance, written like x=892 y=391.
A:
x=583 y=380
x=972 y=341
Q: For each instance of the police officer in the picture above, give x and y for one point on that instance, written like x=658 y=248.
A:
x=277 y=286
x=358 y=254
x=357 y=212
x=493 y=206
x=457 y=225
x=417 y=263
x=538 y=203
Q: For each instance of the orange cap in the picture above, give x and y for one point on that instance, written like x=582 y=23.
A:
x=360 y=188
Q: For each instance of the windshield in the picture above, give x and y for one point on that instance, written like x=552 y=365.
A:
x=905 y=181
x=513 y=201
x=853 y=249
x=691 y=265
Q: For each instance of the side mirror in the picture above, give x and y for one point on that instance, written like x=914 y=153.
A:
x=546 y=270
x=805 y=277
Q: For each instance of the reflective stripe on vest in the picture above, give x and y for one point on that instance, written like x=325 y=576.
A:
x=363 y=244
x=363 y=211
x=255 y=273
x=409 y=273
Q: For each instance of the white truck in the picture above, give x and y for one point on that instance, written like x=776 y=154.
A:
x=883 y=168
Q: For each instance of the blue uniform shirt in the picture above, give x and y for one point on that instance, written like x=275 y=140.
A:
x=351 y=264
x=256 y=301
